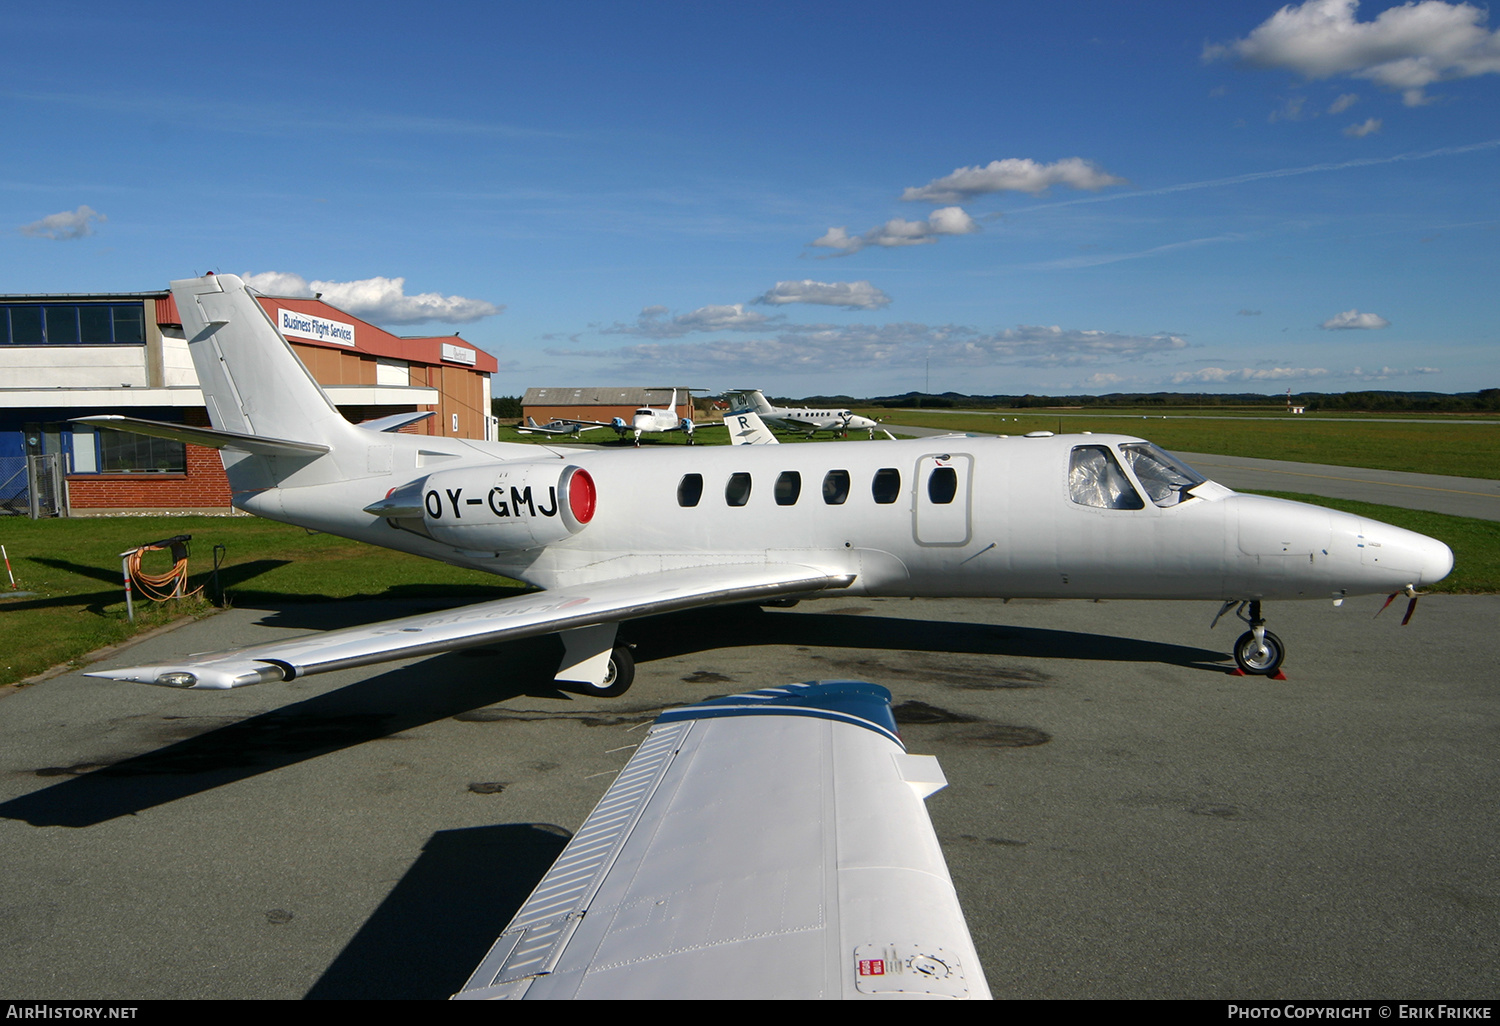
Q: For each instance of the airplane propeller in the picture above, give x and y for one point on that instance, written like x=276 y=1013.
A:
x=1411 y=606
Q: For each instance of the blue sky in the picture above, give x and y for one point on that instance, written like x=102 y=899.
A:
x=802 y=197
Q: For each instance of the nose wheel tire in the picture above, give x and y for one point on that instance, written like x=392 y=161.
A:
x=619 y=678
x=1259 y=660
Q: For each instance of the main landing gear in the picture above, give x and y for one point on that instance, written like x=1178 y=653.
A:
x=1257 y=652
x=617 y=680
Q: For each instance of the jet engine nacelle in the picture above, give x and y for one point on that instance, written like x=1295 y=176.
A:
x=507 y=506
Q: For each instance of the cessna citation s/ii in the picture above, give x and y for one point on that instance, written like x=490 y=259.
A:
x=609 y=536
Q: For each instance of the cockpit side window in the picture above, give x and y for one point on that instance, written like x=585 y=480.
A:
x=1095 y=479
x=1164 y=477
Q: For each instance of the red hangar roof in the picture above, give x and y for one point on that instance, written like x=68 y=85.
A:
x=315 y=323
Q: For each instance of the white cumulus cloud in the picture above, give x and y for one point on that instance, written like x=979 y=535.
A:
x=1012 y=175
x=654 y=322
x=851 y=295
x=824 y=348
x=1369 y=127
x=900 y=232
x=380 y=300
x=1343 y=103
x=69 y=224
x=1405 y=48
x=1352 y=319
x=1225 y=375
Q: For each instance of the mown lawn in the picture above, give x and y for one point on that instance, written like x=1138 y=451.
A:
x=73 y=566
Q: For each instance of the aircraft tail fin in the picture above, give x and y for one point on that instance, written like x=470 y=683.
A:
x=253 y=383
x=746 y=428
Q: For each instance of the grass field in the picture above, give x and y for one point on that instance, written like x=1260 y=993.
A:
x=1426 y=446
x=73 y=566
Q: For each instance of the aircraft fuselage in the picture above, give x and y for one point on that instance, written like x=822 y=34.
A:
x=958 y=516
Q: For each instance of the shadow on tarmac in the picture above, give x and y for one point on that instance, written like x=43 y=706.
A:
x=440 y=919
x=459 y=683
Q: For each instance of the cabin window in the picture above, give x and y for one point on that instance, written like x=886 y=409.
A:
x=836 y=487
x=690 y=489
x=788 y=488
x=942 y=485
x=1164 y=477
x=737 y=491
x=1095 y=479
x=887 y=485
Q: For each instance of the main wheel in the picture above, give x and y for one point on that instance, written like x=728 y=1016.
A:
x=1256 y=660
x=620 y=676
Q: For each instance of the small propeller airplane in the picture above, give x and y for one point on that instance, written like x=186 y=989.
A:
x=647 y=419
x=807 y=420
x=608 y=536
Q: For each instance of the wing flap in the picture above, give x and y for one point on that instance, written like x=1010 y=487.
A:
x=507 y=619
x=764 y=845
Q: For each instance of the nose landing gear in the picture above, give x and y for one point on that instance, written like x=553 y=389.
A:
x=1257 y=652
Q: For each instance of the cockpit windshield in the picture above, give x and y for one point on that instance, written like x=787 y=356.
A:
x=1163 y=476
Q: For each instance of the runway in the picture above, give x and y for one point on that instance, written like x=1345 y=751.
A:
x=1124 y=818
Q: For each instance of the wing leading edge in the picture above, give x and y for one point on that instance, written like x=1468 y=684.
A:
x=507 y=619
x=768 y=845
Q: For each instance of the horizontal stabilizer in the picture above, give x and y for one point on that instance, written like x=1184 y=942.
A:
x=395 y=422
x=773 y=844
x=260 y=445
x=523 y=616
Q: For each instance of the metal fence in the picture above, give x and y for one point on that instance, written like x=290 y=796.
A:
x=33 y=486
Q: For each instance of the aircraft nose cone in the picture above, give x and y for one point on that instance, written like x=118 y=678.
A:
x=1437 y=561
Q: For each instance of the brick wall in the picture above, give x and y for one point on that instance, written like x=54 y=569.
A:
x=204 y=486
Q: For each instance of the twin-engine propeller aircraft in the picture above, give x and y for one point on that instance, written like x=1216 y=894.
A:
x=614 y=535
x=806 y=420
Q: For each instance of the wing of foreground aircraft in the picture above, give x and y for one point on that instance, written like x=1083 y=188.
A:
x=588 y=611
x=767 y=845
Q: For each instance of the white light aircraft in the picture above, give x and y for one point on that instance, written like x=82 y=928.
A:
x=767 y=845
x=612 y=535
x=647 y=419
x=560 y=427
x=807 y=420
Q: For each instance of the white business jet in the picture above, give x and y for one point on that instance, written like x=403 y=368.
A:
x=613 y=535
x=807 y=420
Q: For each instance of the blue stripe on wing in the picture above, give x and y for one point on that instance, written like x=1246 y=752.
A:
x=851 y=701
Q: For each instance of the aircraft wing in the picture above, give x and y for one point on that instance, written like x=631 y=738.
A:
x=767 y=845
x=523 y=616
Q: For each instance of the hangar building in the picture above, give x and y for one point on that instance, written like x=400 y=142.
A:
x=66 y=356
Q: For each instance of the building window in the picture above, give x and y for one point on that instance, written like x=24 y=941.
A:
x=788 y=488
x=121 y=453
x=64 y=324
